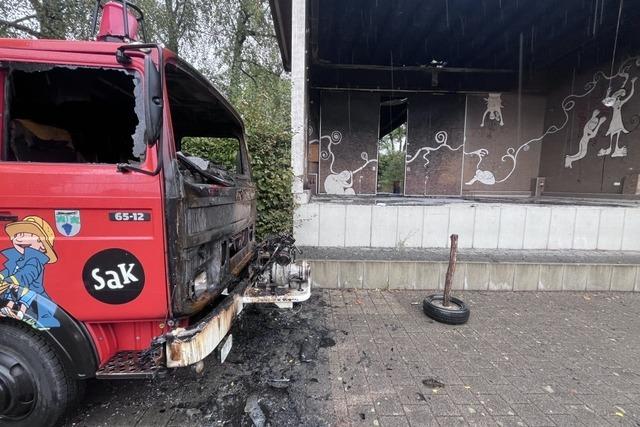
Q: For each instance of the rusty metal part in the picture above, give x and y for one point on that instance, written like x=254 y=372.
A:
x=273 y=277
x=185 y=347
x=132 y=365
x=286 y=275
x=283 y=297
x=245 y=257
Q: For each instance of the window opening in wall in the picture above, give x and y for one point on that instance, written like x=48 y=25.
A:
x=392 y=145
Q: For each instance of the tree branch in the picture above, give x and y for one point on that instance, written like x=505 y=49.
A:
x=20 y=27
x=257 y=34
x=249 y=75
x=262 y=67
x=24 y=18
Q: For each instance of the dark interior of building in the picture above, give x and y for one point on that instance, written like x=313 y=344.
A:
x=502 y=97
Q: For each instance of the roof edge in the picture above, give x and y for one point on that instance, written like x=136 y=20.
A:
x=282 y=26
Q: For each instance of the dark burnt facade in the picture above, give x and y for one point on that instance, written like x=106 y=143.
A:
x=495 y=95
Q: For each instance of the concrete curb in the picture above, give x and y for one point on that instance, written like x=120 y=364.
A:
x=505 y=276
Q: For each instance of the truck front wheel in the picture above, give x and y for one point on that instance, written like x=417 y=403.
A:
x=35 y=390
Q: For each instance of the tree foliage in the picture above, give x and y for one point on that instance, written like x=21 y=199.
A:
x=391 y=171
x=232 y=42
x=49 y=19
x=391 y=160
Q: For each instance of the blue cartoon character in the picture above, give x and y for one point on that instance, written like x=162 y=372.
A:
x=22 y=292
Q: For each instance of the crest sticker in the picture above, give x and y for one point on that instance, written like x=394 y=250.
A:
x=68 y=222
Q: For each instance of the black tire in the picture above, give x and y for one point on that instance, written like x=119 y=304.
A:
x=456 y=315
x=37 y=377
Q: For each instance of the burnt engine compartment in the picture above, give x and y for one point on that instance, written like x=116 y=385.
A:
x=274 y=265
x=211 y=241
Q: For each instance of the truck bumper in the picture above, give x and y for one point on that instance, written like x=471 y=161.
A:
x=186 y=346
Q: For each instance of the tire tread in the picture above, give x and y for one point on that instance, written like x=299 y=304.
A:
x=18 y=333
x=450 y=317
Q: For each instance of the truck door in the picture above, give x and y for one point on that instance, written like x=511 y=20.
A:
x=92 y=235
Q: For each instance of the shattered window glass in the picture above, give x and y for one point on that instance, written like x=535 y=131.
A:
x=64 y=114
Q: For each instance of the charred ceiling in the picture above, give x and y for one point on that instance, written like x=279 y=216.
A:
x=461 y=45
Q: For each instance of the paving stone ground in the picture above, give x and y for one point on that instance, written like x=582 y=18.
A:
x=523 y=359
x=534 y=359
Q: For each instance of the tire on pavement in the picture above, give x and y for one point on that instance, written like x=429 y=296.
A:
x=456 y=314
x=35 y=388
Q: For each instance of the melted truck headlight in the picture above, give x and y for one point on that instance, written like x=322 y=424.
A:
x=200 y=283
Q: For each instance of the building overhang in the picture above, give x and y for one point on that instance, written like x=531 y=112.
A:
x=281 y=15
x=452 y=45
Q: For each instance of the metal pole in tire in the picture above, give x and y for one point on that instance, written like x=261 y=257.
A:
x=450 y=270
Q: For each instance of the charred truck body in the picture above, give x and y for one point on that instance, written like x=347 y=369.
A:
x=120 y=254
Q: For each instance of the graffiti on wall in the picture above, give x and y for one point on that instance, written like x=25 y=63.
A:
x=615 y=101
x=482 y=176
x=441 y=139
x=588 y=133
x=494 y=108
x=340 y=183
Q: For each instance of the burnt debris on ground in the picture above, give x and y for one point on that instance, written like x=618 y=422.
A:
x=277 y=374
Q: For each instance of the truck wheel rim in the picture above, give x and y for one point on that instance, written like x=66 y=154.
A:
x=17 y=388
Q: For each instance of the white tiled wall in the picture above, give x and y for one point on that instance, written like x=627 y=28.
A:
x=485 y=225
x=358 y=222
x=512 y=226
x=611 y=229
x=562 y=227
x=384 y=226
x=435 y=226
x=536 y=229
x=332 y=225
x=631 y=233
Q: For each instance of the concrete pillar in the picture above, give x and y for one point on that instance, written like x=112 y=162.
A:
x=298 y=97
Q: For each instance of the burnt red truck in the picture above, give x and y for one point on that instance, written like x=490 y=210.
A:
x=120 y=254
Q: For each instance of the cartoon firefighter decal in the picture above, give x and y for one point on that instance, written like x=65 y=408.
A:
x=22 y=292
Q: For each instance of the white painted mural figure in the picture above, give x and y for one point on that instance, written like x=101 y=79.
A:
x=494 y=108
x=588 y=133
x=485 y=177
x=482 y=176
x=616 y=126
x=339 y=183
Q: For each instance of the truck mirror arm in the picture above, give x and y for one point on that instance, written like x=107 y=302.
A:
x=153 y=78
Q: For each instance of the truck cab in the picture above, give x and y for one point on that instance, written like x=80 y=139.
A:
x=121 y=254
